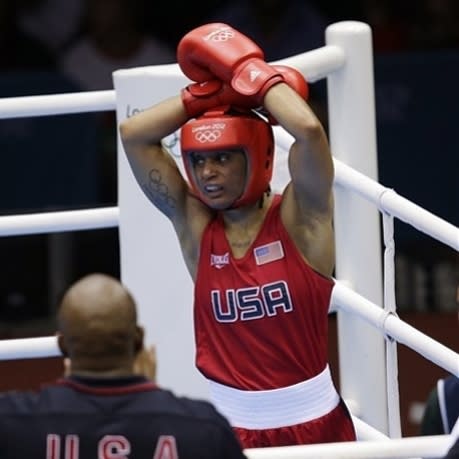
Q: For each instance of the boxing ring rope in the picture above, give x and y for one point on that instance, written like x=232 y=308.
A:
x=390 y=307
x=68 y=220
x=433 y=446
x=315 y=65
x=29 y=348
x=321 y=61
x=92 y=101
x=386 y=199
x=342 y=297
x=347 y=300
x=57 y=104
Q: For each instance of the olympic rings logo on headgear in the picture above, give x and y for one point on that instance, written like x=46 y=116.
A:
x=207 y=136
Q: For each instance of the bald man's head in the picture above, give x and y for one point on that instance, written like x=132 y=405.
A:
x=98 y=328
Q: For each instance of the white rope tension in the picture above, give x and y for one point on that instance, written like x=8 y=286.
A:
x=49 y=222
x=393 y=401
x=318 y=63
x=350 y=301
x=392 y=203
x=342 y=297
x=57 y=104
x=386 y=199
x=434 y=446
x=29 y=348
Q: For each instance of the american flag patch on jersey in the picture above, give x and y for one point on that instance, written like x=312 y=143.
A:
x=268 y=252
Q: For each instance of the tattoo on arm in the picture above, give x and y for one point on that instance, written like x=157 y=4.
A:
x=158 y=192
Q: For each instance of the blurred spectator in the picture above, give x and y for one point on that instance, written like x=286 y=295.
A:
x=53 y=23
x=389 y=30
x=453 y=452
x=19 y=51
x=442 y=407
x=112 y=38
x=282 y=28
x=435 y=25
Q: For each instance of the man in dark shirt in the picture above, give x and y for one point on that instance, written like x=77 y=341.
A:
x=442 y=407
x=102 y=408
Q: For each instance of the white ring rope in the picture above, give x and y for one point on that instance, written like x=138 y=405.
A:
x=57 y=104
x=389 y=201
x=29 y=348
x=342 y=297
x=68 y=220
x=386 y=199
x=316 y=64
x=393 y=398
x=350 y=301
x=433 y=446
x=364 y=430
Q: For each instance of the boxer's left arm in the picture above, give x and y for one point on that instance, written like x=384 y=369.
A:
x=307 y=204
x=310 y=161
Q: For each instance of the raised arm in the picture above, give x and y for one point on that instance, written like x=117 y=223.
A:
x=157 y=172
x=310 y=161
x=154 y=169
x=219 y=51
x=307 y=206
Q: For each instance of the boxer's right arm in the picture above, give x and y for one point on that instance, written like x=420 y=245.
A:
x=154 y=169
x=158 y=175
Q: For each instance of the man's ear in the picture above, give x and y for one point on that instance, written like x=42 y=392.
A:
x=61 y=344
x=138 y=338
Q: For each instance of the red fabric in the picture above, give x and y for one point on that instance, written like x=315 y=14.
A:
x=262 y=338
x=198 y=98
x=333 y=427
x=214 y=50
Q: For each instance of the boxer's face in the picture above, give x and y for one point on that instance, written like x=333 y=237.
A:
x=220 y=176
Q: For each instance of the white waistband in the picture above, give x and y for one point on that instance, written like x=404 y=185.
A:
x=267 y=409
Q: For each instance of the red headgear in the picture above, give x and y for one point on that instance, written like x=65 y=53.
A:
x=217 y=130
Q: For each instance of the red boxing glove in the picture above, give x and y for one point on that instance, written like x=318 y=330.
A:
x=218 y=50
x=295 y=80
x=199 y=97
